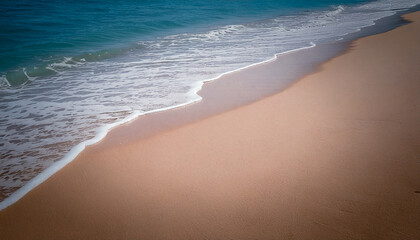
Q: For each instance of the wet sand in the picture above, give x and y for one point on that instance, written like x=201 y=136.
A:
x=334 y=156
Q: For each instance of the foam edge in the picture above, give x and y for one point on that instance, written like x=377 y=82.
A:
x=103 y=131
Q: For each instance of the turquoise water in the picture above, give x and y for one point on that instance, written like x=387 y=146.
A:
x=38 y=33
x=70 y=70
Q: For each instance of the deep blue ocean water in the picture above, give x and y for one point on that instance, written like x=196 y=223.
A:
x=68 y=69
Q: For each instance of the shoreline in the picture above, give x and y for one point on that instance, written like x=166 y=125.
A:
x=276 y=180
x=103 y=131
x=340 y=47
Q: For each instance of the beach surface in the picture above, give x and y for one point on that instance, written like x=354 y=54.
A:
x=334 y=156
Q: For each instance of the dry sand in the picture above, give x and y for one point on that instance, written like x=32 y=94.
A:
x=335 y=156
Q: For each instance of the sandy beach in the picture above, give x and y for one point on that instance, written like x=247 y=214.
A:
x=334 y=156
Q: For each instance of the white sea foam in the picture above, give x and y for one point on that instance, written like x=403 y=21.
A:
x=103 y=131
x=52 y=69
x=3 y=81
x=66 y=63
x=335 y=12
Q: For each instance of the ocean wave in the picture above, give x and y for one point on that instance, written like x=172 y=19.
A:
x=217 y=34
x=102 y=131
x=67 y=62
x=337 y=10
x=19 y=77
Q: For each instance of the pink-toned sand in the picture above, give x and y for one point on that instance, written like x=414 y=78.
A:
x=335 y=156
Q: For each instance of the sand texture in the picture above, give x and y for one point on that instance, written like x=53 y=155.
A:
x=334 y=156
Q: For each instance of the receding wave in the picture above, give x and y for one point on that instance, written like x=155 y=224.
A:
x=21 y=76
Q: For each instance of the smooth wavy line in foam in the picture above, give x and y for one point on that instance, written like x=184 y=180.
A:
x=103 y=131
